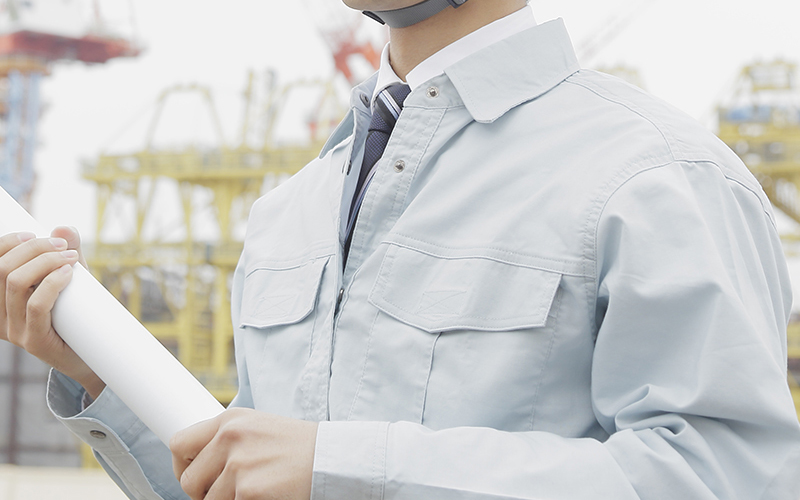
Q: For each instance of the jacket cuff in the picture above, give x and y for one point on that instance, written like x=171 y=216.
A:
x=112 y=431
x=350 y=460
x=107 y=413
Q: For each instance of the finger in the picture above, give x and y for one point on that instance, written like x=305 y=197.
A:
x=19 y=287
x=73 y=238
x=9 y=241
x=203 y=471
x=187 y=444
x=41 y=340
x=25 y=252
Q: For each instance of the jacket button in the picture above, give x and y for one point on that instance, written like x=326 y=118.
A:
x=97 y=434
x=433 y=92
x=400 y=166
x=365 y=100
x=339 y=298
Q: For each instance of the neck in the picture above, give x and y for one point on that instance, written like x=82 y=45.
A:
x=412 y=45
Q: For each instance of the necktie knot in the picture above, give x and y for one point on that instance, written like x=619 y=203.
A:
x=387 y=107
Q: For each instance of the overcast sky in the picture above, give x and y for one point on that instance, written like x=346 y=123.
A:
x=688 y=52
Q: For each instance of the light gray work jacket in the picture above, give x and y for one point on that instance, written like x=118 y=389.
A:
x=558 y=287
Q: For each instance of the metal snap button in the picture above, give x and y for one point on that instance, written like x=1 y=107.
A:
x=399 y=166
x=433 y=92
x=97 y=434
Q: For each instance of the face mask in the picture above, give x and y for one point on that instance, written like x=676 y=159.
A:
x=407 y=16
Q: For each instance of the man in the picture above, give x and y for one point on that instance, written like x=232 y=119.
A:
x=549 y=285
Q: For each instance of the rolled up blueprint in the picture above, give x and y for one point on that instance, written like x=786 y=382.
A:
x=132 y=363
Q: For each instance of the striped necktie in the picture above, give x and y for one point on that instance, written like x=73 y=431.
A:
x=386 y=110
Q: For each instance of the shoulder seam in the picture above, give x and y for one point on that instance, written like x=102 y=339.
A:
x=603 y=203
x=630 y=108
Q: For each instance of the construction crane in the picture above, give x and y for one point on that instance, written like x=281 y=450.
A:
x=340 y=27
x=30 y=43
x=761 y=123
x=176 y=281
x=35 y=35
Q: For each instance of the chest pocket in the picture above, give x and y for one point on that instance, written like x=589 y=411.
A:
x=438 y=294
x=275 y=296
x=278 y=321
x=457 y=341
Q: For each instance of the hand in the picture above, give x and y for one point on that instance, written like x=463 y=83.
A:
x=33 y=272
x=244 y=454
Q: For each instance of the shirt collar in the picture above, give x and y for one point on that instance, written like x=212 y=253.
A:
x=517 y=69
x=462 y=48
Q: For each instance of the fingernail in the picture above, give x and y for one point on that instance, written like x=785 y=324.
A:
x=58 y=243
x=66 y=268
x=23 y=237
x=70 y=254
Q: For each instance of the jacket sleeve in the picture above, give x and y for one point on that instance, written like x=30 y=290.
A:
x=688 y=375
x=131 y=454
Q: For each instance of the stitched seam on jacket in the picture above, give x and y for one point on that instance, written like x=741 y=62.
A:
x=661 y=130
x=561 y=78
x=363 y=367
x=374 y=480
x=496 y=249
x=384 y=446
x=131 y=484
x=630 y=177
x=307 y=378
x=428 y=378
x=367 y=208
x=554 y=307
x=418 y=164
x=421 y=149
x=389 y=261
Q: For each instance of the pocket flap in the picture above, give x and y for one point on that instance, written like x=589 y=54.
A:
x=439 y=294
x=274 y=296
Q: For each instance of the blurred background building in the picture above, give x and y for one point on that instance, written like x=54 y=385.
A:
x=158 y=158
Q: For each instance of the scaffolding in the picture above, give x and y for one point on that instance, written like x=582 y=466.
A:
x=761 y=123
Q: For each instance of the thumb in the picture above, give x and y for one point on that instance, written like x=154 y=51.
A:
x=73 y=238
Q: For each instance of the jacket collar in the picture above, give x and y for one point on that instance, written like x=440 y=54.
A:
x=493 y=80
x=359 y=102
x=515 y=70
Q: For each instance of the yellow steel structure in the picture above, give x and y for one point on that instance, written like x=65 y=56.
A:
x=761 y=123
x=180 y=287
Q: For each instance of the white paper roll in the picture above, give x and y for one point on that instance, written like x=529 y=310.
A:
x=142 y=372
